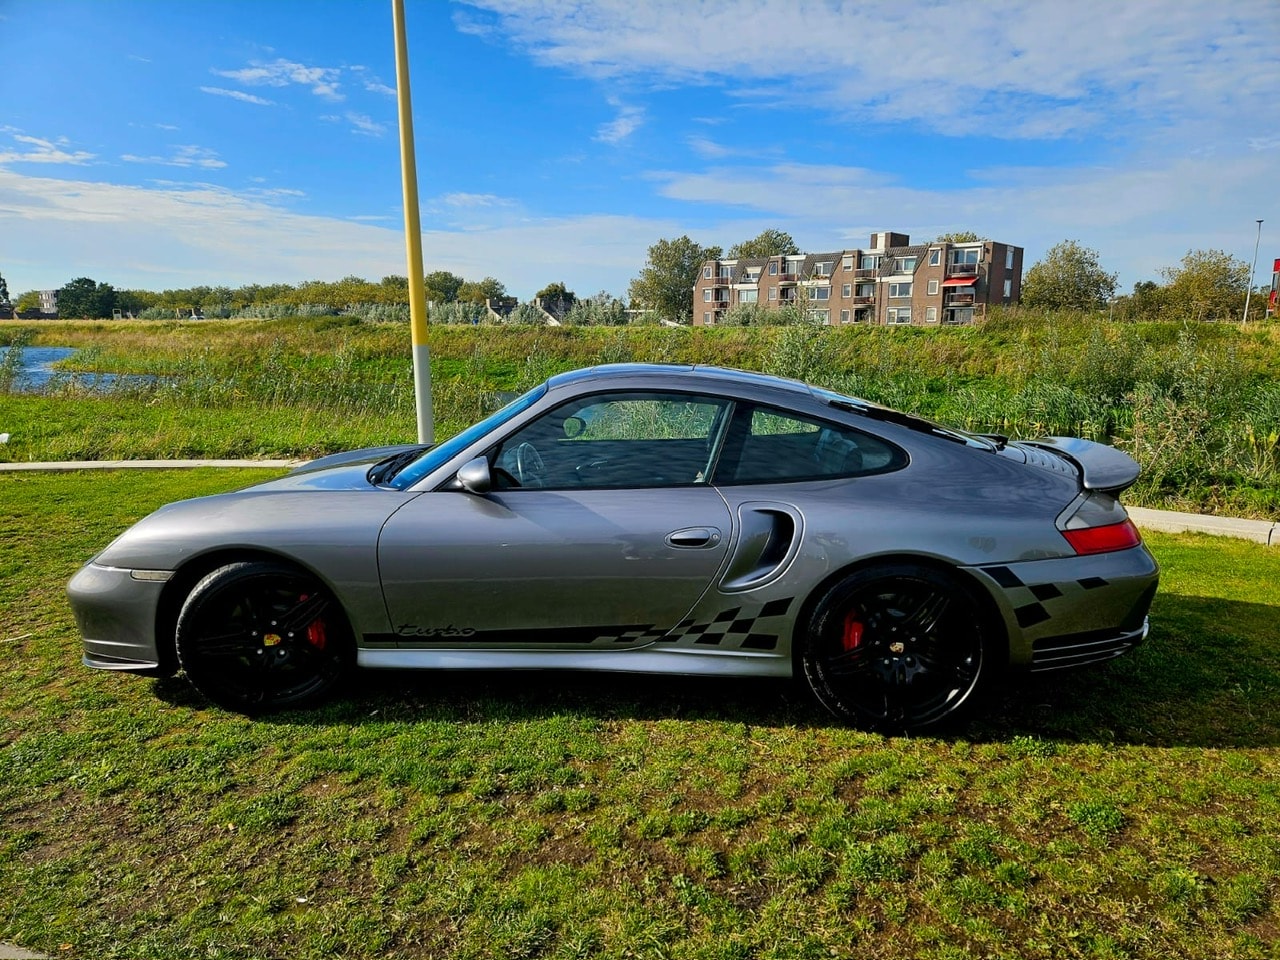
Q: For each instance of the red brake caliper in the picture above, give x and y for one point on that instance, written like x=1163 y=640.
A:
x=851 y=638
x=315 y=629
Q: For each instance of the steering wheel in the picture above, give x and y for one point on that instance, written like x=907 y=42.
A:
x=529 y=465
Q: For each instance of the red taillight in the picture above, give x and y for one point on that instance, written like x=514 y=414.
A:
x=1114 y=536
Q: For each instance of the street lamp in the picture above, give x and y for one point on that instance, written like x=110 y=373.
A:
x=1249 y=292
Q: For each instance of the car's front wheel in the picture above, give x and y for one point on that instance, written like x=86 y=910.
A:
x=900 y=647
x=261 y=636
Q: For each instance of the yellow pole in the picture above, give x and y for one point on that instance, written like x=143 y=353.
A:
x=413 y=235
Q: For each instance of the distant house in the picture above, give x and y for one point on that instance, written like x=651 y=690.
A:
x=49 y=301
x=890 y=282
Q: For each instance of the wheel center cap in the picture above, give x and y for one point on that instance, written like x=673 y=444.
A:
x=271 y=639
x=897 y=647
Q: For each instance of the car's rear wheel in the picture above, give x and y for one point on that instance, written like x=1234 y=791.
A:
x=902 y=648
x=259 y=636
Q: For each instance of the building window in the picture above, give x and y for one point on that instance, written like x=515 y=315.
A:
x=870 y=261
x=726 y=271
x=706 y=318
x=930 y=314
x=748 y=296
x=902 y=289
x=1008 y=258
x=773 y=268
x=866 y=290
x=966 y=257
x=821 y=293
x=822 y=269
x=823 y=316
x=935 y=256
x=846 y=291
x=773 y=293
x=846 y=263
x=844 y=316
x=899 y=314
x=1008 y=289
x=706 y=272
x=706 y=294
x=904 y=265
x=933 y=288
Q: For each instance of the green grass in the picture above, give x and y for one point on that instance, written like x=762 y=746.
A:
x=1124 y=811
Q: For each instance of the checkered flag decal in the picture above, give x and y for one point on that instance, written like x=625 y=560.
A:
x=757 y=630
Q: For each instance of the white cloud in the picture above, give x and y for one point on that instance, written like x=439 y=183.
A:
x=472 y=200
x=628 y=120
x=238 y=95
x=183 y=156
x=1021 y=68
x=39 y=150
x=360 y=123
x=323 y=81
x=173 y=235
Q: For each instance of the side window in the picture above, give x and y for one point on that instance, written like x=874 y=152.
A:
x=775 y=446
x=615 y=441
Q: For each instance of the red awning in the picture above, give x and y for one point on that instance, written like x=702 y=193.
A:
x=960 y=281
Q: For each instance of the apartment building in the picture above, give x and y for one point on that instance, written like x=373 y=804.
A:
x=892 y=281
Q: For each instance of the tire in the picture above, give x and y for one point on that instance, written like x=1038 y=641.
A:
x=257 y=637
x=902 y=648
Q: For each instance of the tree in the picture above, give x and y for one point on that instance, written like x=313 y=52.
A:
x=667 y=280
x=960 y=236
x=83 y=297
x=602 y=309
x=478 y=291
x=4 y=290
x=1209 y=285
x=770 y=243
x=1068 y=278
x=27 y=301
x=441 y=286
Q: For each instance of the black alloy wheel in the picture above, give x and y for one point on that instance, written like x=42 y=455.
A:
x=257 y=636
x=900 y=648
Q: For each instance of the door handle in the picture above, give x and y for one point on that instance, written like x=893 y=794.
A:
x=694 y=537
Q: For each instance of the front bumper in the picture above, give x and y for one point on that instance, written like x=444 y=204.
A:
x=116 y=614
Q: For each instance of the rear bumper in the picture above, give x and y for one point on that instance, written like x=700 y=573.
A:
x=116 y=614
x=1070 y=611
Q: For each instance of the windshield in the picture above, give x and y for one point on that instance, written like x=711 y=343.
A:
x=435 y=457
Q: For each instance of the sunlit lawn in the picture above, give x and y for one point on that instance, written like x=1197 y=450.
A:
x=1125 y=811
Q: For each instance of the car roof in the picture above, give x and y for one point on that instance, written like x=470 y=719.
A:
x=688 y=375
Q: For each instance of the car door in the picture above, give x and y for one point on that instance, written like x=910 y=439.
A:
x=601 y=531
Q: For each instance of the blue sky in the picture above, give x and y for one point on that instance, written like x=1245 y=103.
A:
x=158 y=144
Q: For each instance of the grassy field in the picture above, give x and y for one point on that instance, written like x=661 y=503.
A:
x=1197 y=405
x=1126 y=811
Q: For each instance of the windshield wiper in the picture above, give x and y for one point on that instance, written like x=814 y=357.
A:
x=382 y=471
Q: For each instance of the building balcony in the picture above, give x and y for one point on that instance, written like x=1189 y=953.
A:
x=962 y=269
x=959 y=299
x=861 y=274
x=861 y=300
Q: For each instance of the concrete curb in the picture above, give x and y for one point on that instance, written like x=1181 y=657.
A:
x=9 y=951
x=1166 y=521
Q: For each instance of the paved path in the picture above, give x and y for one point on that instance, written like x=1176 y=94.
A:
x=1260 y=531
x=9 y=952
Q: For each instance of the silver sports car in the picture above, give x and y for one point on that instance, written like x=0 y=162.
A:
x=646 y=518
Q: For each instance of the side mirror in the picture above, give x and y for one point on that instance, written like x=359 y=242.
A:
x=474 y=476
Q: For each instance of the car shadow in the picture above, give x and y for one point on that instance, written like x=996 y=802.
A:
x=1208 y=676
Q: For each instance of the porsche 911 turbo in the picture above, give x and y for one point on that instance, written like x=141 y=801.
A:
x=646 y=518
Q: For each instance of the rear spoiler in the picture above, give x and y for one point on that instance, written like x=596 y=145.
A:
x=1101 y=467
